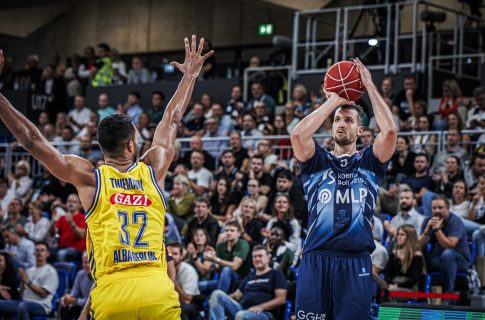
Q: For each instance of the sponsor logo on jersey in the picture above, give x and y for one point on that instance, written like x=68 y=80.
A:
x=131 y=199
x=343 y=196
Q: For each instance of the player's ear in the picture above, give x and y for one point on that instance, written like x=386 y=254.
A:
x=131 y=145
x=360 y=130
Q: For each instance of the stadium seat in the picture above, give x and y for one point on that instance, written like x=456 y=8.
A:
x=70 y=268
x=63 y=286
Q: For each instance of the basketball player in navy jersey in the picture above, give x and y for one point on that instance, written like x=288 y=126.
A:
x=335 y=275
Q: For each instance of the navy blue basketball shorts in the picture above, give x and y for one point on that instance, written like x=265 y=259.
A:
x=334 y=286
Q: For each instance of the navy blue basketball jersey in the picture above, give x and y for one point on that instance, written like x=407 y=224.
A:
x=341 y=195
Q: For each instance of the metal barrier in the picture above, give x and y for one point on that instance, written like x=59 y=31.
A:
x=387 y=27
x=7 y=151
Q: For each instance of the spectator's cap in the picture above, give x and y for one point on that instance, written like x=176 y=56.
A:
x=25 y=164
x=33 y=57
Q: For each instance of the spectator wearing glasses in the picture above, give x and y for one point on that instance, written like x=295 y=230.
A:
x=214 y=130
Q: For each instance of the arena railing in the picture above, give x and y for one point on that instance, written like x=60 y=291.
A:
x=387 y=19
x=12 y=154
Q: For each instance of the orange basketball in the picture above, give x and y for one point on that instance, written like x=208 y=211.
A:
x=344 y=79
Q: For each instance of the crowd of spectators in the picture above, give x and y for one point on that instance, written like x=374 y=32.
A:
x=236 y=210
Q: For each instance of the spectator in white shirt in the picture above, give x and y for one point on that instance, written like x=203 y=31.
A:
x=19 y=248
x=37 y=228
x=200 y=177
x=80 y=116
x=20 y=183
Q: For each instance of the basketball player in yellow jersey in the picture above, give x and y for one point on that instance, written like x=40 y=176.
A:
x=125 y=207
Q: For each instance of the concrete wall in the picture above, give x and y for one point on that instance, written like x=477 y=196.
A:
x=138 y=26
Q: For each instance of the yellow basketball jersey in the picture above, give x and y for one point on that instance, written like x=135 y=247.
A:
x=125 y=221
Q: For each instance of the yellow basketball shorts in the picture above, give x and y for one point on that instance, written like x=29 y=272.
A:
x=135 y=294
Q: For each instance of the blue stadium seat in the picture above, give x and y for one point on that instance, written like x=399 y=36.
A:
x=63 y=286
x=70 y=268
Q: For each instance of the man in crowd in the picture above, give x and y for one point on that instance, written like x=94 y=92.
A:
x=20 y=248
x=38 y=285
x=72 y=303
x=196 y=144
x=200 y=177
x=157 y=109
x=405 y=99
x=281 y=255
x=259 y=295
x=80 y=115
x=204 y=220
x=249 y=130
x=449 y=249
x=232 y=258
x=259 y=96
x=452 y=148
x=474 y=170
x=187 y=281
x=407 y=215
x=241 y=154
x=421 y=179
x=71 y=229
x=104 y=108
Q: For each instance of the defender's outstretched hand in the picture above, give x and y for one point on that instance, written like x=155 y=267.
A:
x=2 y=60
x=193 y=57
x=365 y=75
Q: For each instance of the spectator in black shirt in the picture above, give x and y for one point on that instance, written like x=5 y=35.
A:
x=228 y=169
x=202 y=219
x=405 y=99
x=259 y=295
x=9 y=285
x=194 y=125
x=256 y=172
x=402 y=162
x=284 y=184
x=222 y=201
x=241 y=154
x=446 y=179
x=196 y=144
x=421 y=181
x=251 y=226
x=406 y=262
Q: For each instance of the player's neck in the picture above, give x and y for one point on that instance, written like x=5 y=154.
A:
x=340 y=150
x=121 y=164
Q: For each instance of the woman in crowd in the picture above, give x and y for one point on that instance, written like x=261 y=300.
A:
x=451 y=101
x=9 y=285
x=420 y=109
x=251 y=226
x=222 y=201
x=195 y=253
x=460 y=206
x=284 y=218
x=37 y=229
x=284 y=144
x=181 y=201
x=406 y=261
x=424 y=142
x=402 y=162
x=20 y=182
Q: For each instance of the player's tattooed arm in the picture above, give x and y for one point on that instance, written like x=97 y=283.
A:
x=385 y=142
